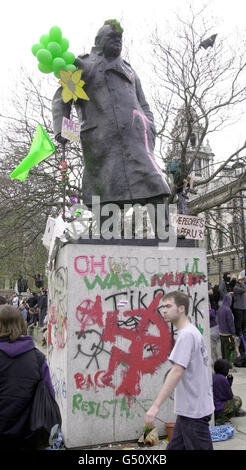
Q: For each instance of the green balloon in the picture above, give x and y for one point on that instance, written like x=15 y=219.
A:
x=44 y=40
x=44 y=68
x=58 y=64
x=69 y=57
x=71 y=67
x=54 y=48
x=44 y=56
x=57 y=74
x=64 y=44
x=55 y=34
x=35 y=48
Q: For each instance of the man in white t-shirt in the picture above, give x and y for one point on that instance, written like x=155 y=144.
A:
x=190 y=379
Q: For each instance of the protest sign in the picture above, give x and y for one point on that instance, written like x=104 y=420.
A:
x=70 y=130
x=191 y=227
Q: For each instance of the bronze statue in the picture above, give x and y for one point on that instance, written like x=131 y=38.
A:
x=117 y=127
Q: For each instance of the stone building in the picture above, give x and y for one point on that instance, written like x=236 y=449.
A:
x=225 y=233
x=221 y=200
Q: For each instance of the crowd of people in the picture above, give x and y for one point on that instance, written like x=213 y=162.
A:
x=227 y=309
x=33 y=306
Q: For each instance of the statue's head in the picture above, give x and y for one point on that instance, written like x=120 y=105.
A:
x=109 y=39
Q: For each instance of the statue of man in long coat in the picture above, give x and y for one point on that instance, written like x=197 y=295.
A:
x=117 y=127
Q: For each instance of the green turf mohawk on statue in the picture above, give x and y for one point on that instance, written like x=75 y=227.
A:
x=115 y=25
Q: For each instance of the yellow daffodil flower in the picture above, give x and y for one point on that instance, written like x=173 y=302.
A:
x=72 y=85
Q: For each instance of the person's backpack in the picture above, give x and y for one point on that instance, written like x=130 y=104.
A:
x=45 y=413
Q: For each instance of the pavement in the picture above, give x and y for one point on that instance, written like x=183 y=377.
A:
x=237 y=442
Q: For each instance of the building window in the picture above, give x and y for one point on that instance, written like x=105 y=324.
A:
x=208 y=268
x=198 y=167
x=220 y=265
x=233 y=264
x=231 y=231
x=242 y=232
x=205 y=167
x=236 y=233
x=220 y=240
x=193 y=139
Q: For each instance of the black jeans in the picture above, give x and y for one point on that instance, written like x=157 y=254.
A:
x=191 y=434
x=227 y=348
x=243 y=320
x=42 y=316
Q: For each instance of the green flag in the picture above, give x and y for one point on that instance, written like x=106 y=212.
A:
x=41 y=148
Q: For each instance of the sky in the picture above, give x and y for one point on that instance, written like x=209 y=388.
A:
x=22 y=23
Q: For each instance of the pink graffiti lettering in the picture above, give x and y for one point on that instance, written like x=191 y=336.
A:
x=61 y=334
x=169 y=279
x=49 y=336
x=84 y=266
x=145 y=120
x=57 y=326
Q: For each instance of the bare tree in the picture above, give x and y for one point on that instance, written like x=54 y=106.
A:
x=25 y=206
x=200 y=88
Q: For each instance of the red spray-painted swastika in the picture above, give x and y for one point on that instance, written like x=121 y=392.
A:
x=134 y=361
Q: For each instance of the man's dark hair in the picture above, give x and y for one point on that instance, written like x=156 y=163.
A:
x=221 y=366
x=12 y=323
x=180 y=298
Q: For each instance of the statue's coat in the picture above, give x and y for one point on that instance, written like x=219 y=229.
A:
x=117 y=133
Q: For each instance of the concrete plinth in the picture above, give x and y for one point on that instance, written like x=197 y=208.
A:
x=108 y=344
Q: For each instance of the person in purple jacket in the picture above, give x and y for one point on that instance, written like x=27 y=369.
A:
x=226 y=404
x=227 y=330
x=214 y=335
x=20 y=373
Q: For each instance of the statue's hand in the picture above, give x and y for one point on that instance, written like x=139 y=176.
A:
x=61 y=139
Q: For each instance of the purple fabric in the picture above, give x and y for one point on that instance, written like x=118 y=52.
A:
x=47 y=378
x=243 y=341
x=212 y=317
x=225 y=317
x=21 y=346
x=222 y=392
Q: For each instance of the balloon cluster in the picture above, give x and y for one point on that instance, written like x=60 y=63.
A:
x=52 y=53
